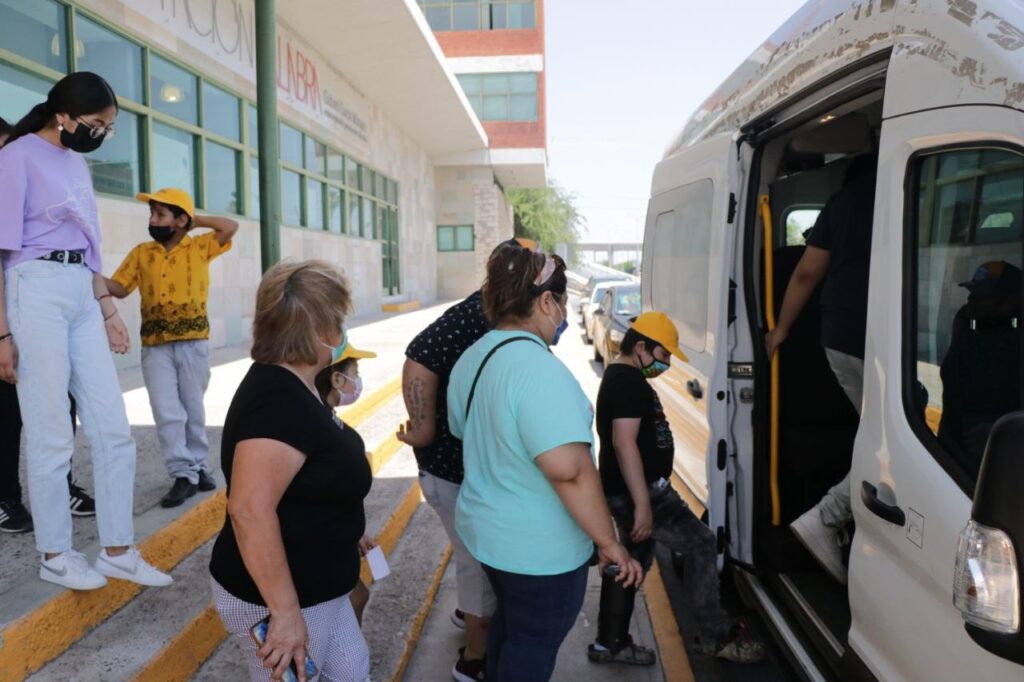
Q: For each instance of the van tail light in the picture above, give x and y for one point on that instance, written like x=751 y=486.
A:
x=986 y=588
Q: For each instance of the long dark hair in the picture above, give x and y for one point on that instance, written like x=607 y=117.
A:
x=76 y=94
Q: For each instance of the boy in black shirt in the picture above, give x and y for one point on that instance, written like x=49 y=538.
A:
x=635 y=463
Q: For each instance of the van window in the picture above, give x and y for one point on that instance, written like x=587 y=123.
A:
x=966 y=253
x=682 y=244
x=798 y=221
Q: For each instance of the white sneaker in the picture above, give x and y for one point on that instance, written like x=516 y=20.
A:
x=131 y=566
x=71 y=570
x=821 y=541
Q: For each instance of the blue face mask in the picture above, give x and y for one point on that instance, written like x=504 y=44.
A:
x=559 y=328
x=339 y=350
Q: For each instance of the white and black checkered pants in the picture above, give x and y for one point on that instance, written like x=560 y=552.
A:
x=336 y=644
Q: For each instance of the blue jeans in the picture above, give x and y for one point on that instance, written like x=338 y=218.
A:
x=534 y=614
x=62 y=346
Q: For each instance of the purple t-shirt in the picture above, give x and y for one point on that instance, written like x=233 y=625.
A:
x=46 y=203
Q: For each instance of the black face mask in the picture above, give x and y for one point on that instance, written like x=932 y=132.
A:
x=80 y=141
x=161 y=234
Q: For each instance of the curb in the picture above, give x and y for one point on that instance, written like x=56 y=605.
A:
x=420 y=619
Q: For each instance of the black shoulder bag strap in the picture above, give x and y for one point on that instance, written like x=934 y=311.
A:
x=472 y=390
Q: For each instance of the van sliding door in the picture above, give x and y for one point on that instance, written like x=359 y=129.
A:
x=688 y=256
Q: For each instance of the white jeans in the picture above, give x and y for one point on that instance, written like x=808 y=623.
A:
x=177 y=375
x=835 y=507
x=62 y=344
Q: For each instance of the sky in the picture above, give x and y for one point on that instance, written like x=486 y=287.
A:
x=623 y=76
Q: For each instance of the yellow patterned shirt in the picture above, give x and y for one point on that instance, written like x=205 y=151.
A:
x=174 y=286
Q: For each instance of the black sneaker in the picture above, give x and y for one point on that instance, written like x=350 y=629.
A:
x=80 y=501
x=206 y=482
x=14 y=518
x=179 y=492
x=632 y=653
x=468 y=671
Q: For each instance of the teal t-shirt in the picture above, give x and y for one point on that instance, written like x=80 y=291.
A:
x=526 y=403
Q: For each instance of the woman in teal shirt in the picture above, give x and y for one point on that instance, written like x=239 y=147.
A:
x=531 y=507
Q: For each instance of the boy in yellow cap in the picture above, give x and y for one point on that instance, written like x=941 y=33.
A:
x=172 y=273
x=636 y=458
x=339 y=384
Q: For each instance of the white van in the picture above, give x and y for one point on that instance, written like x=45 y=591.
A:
x=936 y=88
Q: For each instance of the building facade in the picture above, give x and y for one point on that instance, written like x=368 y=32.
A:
x=371 y=118
x=495 y=48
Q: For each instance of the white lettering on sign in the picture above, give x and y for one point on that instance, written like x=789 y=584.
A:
x=225 y=30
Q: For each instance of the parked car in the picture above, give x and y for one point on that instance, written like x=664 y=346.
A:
x=590 y=304
x=934 y=87
x=602 y=278
x=619 y=305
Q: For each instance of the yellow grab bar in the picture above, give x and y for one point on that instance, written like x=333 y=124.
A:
x=769 y=307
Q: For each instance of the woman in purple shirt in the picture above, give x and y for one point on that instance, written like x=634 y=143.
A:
x=57 y=326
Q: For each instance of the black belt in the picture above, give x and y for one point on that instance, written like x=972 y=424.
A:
x=66 y=257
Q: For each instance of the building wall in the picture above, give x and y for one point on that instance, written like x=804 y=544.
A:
x=468 y=195
x=506 y=43
x=235 y=276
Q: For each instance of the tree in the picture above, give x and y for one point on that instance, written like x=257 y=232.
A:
x=547 y=215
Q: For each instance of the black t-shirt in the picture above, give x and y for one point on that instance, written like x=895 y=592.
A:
x=438 y=348
x=321 y=511
x=844 y=230
x=625 y=394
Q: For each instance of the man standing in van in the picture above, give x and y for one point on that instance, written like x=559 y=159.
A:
x=838 y=256
x=636 y=457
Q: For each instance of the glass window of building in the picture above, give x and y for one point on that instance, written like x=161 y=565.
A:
x=335 y=210
x=19 y=92
x=291 y=198
x=116 y=58
x=116 y=166
x=335 y=165
x=173 y=158
x=366 y=179
x=222 y=112
x=222 y=179
x=291 y=145
x=254 y=135
x=314 y=204
x=254 y=187
x=476 y=15
x=352 y=172
x=355 y=220
x=35 y=30
x=455 y=238
x=501 y=96
x=174 y=90
x=316 y=155
x=368 y=215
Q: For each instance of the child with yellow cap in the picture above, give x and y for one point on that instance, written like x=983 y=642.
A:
x=339 y=384
x=172 y=274
x=636 y=456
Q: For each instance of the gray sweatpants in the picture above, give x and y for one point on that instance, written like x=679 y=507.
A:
x=849 y=370
x=177 y=375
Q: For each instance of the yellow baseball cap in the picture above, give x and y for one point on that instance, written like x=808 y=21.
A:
x=353 y=353
x=657 y=327
x=171 y=196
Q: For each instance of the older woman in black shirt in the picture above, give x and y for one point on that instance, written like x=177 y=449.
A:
x=296 y=482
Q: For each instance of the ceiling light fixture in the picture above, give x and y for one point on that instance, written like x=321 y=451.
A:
x=827 y=118
x=171 y=93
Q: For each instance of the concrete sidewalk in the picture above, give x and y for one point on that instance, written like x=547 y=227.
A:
x=20 y=588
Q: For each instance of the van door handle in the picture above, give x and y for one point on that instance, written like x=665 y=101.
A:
x=889 y=512
x=694 y=389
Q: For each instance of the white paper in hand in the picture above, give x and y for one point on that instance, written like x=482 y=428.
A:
x=378 y=564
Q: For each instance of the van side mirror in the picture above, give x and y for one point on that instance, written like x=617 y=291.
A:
x=988 y=587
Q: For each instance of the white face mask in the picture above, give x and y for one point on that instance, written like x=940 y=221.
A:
x=349 y=398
